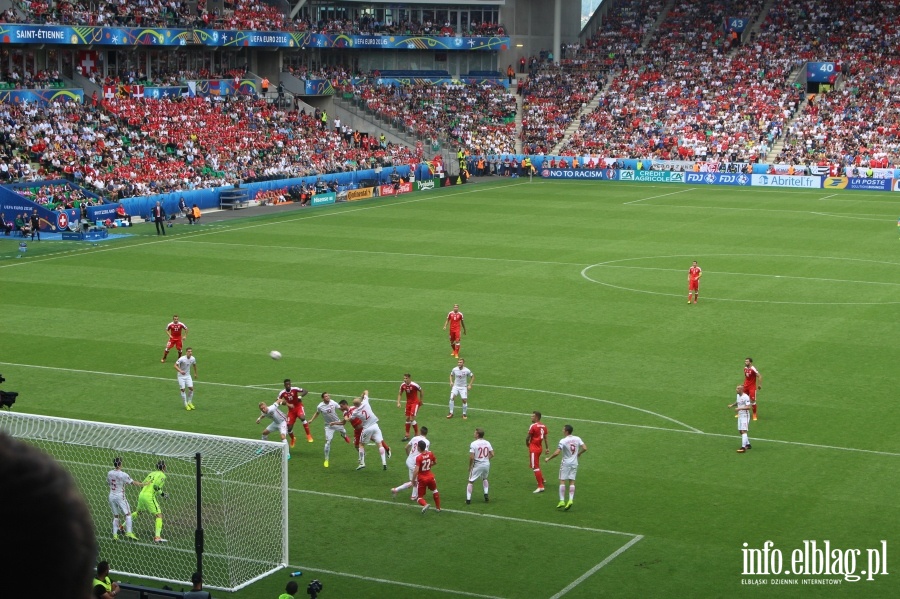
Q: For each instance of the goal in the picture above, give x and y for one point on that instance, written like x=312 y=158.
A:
x=226 y=511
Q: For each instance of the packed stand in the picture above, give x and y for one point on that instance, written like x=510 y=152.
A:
x=858 y=123
x=56 y=197
x=481 y=117
x=693 y=95
x=111 y=13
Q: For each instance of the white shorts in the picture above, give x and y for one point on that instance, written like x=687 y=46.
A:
x=281 y=427
x=331 y=430
x=462 y=392
x=119 y=506
x=568 y=472
x=743 y=421
x=185 y=381
x=479 y=470
x=373 y=433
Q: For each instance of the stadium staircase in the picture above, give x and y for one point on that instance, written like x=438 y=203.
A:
x=588 y=108
x=519 y=103
x=350 y=112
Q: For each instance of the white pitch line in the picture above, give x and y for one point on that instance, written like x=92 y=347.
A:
x=660 y=196
x=395 y=582
x=779 y=210
x=752 y=274
x=593 y=570
x=880 y=220
x=379 y=253
x=656 y=428
x=473 y=514
x=826 y=197
x=227 y=229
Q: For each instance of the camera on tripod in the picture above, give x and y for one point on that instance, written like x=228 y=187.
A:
x=314 y=588
x=7 y=398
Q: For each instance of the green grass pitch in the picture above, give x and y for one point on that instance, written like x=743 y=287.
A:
x=575 y=300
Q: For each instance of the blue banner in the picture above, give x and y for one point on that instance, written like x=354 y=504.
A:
x=864 y=184
x=442 y=81
x=716 y=179
x=41 y=97
x=821 y=72
x=738 y=24
x=136 y=36
x=319 y=87
x=570 y=173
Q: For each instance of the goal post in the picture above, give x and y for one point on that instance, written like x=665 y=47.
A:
x=226 y=510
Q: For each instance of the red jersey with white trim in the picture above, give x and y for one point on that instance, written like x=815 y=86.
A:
x=694 y=273
x=455 y=319
x=425 y=461
x=175 y=329
x=413 y=391
x=537 y=433
x=292 y=397
x=355 y=421
x=750 y=376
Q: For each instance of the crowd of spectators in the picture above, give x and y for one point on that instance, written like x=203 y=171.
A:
x=128 y=147
x=251 y=15
x=57 y=196
x=480 y=117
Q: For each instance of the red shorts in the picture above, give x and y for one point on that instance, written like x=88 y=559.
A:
x=412 y=408
x=694 y=285
x=295 y=413
x=534 y=459
x=173 y=343
x=751 y=391
x=426 y=483
x=454 y=335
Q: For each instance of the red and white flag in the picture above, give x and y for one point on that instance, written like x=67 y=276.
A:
x=89 y=61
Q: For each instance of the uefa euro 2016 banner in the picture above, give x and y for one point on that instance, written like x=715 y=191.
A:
x=134 y=36
x=40 y=97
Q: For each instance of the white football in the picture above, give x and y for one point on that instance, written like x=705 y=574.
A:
x=275 y=355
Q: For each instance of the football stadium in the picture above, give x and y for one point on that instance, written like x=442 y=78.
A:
x=499 y=299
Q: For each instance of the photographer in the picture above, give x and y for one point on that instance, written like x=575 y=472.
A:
x=290 y=589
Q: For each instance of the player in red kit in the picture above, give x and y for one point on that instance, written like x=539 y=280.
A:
x=456 y=322
x=694 y=274
x=424 y=477
x=414 y=398
x=752 y=380
x=292 y=397
x=537 y=444
x=356 y=423
x=177 y=332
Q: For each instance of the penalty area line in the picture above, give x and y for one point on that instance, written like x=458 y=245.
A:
x=409 y=585
x=599 y=566
x=659 y=196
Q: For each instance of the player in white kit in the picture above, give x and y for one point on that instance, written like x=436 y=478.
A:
x=184 y=364
x=370 y=431
x=571 y=447
x=480 y=455
x=742 y=406
x=412 y=450
x=279 y=423
x=334 y=423
x=461 y=379
x=117 y=480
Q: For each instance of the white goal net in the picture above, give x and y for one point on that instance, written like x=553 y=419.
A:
x=243 y=491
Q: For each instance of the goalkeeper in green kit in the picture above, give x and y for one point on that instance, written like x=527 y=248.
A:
x=148 y=500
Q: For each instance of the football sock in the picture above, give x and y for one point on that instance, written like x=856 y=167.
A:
x=745 y=440
x=753 y=405
x=116 y=525
x=383 y=456
x=407 y=429
x=572 y=492
x=422 y=502
x=451 y=406
x=539 y=476
x=184 y=398
x=362 y=455
x=306 y=428
x=190 y=397
x=415 y=426
x=327 y=449
x=158 y=527
x=465 y=408
x=291 y=435
x=562 y=492
x=385 y=445
x=346 y=438
x=437 y=500
x=405 y=485
x=128 y=523
x=469 y=492
x=484 y=485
